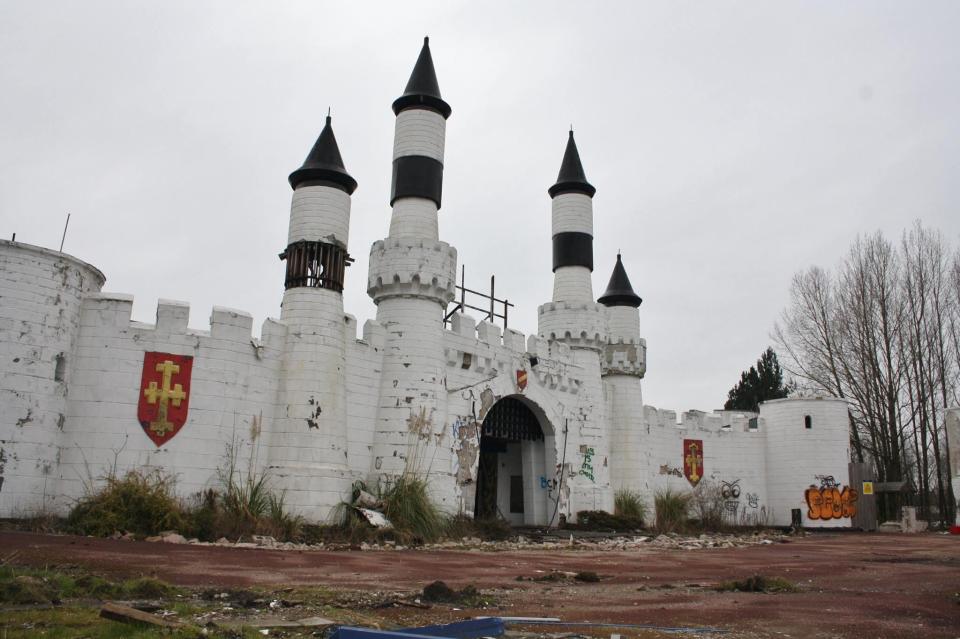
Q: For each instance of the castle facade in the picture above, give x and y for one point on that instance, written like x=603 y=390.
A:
x=530 y=428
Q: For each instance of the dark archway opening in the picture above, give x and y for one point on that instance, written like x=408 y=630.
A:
x=500 y=481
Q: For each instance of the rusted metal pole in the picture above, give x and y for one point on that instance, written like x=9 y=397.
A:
x=64 y=238
x=493 y=317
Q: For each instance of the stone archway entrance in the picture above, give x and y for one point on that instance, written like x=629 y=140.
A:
x=512 y=466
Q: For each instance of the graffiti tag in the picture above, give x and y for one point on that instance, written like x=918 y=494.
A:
x=830 y=502
x=753 y=500
x=827 y=481
x=586 y=468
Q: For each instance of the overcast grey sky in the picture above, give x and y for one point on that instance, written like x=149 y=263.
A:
x=731 y=144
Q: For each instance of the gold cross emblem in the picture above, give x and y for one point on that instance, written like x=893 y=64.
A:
x=693 y=459
x=164 y=395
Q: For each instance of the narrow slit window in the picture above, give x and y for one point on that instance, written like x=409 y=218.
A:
x=808 y=422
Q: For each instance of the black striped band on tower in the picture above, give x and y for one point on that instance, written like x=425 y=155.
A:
x=417 y=176
x=572 y=249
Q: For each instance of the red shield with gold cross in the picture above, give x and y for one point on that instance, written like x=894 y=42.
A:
x=164 y=395
x=521 y=379
x=693 y=460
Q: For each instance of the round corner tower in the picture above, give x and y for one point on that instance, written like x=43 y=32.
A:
x=624 y=363
x=411 y=281
x=308 y=441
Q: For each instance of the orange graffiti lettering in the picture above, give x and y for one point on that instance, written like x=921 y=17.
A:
x=830 y=502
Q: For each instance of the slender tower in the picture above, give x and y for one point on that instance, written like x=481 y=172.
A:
x=308 y=441
x=624 y=363
x=411 y=280
x=575 y=319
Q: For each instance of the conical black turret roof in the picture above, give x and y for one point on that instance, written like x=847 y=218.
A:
x=423 y=90
x=571 y=178
x=324 y=164
x=619 y=292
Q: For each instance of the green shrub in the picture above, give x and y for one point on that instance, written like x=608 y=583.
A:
x=671 y=510
x=141 y=503
x=629 y=503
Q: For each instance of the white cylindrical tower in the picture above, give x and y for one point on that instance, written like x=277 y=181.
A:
x=41 y=292
x=411 y=280
x=624 y=363
x=576 y=320
x=308 y=441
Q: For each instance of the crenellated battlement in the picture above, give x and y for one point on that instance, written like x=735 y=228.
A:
x=483 y=349
x=625 y=357
x=578 y=324
x=113 y=311
x=412 y=267
x=373 y=332
x=693 y=420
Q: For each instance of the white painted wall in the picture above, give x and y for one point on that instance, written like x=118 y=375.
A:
x=232 y=394
x=41 y=292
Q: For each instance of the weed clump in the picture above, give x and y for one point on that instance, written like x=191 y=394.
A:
x=603 y=521
x=148 y=588
x=25 y=589
x=137 y=502
x=408 y=507
x=439 y=592
x=405 y=502
x=708 y=506
x=629 y=503
x=759 y=583
x=145 y=504
x=460 y=526
x=671 y=508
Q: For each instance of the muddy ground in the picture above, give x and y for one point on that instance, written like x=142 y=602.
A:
x=851 y=585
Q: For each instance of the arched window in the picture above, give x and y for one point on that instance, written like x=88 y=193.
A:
x=807 y=421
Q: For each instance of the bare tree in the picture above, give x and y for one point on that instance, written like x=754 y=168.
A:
x=883 y=332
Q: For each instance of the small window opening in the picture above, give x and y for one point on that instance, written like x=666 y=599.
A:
x=808 y=421
x=61 y=367
x=752 y=424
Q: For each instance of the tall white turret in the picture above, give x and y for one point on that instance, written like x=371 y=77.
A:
x=411 y=280
x=576 y=320
x=308 y=441
x=624 y=363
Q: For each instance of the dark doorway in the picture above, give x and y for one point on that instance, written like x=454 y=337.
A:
x=508 y=423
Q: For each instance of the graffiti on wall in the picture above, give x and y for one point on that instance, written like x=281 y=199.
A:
x=829 y=501
x=586 y=468
x=730 y=491
x=693 y=460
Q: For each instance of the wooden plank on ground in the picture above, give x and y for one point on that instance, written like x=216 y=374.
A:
x=126 y=614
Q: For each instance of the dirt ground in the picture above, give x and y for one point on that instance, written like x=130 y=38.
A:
x=851 y=585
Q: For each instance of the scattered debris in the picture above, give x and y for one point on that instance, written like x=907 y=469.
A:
x=126 y=614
